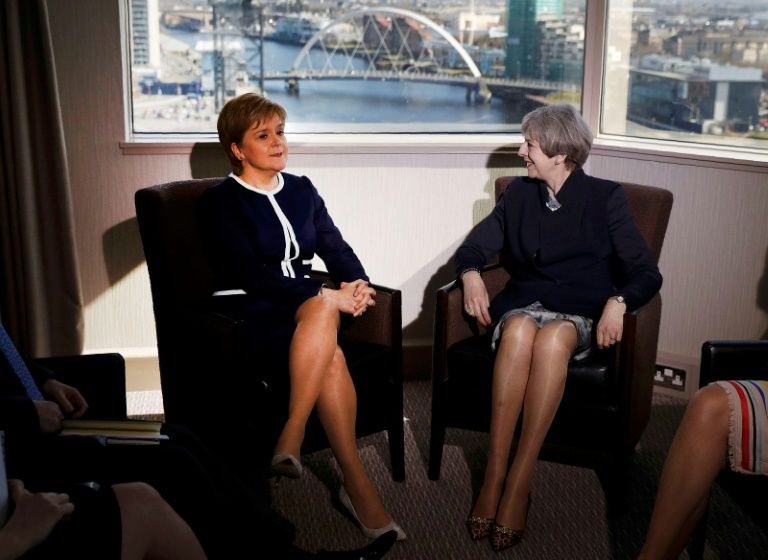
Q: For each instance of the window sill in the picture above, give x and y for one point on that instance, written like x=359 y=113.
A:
x=679 y=153
x=343 y=144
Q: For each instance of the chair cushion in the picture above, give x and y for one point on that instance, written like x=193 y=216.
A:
x=750 y=492
x=586 y=417
x=470 y=362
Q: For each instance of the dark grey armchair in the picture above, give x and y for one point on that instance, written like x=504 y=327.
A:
x=607 y=397
x=210 y=385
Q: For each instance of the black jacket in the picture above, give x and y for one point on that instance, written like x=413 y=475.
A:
x=571 y=260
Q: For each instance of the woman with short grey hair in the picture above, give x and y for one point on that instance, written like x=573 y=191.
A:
x=560 y=233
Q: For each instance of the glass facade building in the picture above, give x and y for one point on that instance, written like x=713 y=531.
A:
x=672 y=94
x=526 y=38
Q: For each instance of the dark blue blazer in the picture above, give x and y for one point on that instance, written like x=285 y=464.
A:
x=571 y=260
x=255 y=250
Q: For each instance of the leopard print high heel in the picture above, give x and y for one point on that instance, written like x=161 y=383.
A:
x=503 y=537
x=479 y=527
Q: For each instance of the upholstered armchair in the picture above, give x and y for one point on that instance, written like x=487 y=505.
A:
x=208 y=384
x=734 y=359
x=607 y=397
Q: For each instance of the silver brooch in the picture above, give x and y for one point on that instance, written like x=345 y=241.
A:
x=553 y=204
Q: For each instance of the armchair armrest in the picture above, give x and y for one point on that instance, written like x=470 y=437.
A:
x=382 y=323
x=636 y=356
x=733 y=359
x=451 y=323
x=99 y=377
x=450 y=316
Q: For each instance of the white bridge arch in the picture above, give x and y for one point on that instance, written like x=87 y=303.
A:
x=477 y=79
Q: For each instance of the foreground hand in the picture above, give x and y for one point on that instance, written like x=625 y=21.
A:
x=70 y=400
x=33 y=519
x=49 y=415
x=476 y=301
x=611 y=324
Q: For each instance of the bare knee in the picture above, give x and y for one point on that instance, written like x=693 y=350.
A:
x=709 y=408
x=138 y=499
x=556 y=339
x=518 y=334
x=513 y=359
x=318 y=308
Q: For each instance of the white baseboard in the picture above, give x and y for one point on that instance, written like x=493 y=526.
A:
x=126 y=351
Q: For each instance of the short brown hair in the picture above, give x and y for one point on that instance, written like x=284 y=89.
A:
x=560 y=130
x=237 y=116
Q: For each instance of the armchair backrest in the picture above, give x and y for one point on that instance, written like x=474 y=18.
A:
x=650 y=206
x=179 y=270
x=733 y=359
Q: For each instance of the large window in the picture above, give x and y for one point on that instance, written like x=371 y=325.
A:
x=671 y=69
x=690 y=71
x=450 y=66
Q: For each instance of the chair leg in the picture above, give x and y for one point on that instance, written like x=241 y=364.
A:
x=397 y=453
x=396 y=436
x=613 y=479
x=436 y=441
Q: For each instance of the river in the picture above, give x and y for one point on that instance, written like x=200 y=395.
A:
x=406 y=106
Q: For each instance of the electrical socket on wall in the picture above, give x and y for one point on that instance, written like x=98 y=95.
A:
x=669 y=377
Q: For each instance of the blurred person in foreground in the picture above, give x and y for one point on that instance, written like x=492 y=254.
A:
x=186 y=505
x=126 y=521
x=724 y=426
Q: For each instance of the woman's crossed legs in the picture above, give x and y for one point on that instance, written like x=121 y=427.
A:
x=319 y=376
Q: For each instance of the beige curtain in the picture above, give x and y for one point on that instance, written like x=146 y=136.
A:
x=40 y=299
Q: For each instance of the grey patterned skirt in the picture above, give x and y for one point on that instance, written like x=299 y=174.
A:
x=542 y=316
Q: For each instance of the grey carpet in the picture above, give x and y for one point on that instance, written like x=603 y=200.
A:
x=568 y=519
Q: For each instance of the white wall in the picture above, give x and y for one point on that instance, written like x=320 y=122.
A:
x=403 y=212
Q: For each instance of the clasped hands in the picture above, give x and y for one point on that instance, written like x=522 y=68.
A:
x=353 y=298
x=65 y=400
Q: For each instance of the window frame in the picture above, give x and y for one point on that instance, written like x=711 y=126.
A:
x=630 y=147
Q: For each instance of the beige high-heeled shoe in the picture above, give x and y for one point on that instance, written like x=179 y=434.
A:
x=285 y=464
x=368 y=532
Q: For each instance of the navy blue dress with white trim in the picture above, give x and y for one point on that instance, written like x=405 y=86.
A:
x=262 y=244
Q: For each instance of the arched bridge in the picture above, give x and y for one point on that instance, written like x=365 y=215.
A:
x=386 y=44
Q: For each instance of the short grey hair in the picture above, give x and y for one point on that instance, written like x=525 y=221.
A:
x=560 y=130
